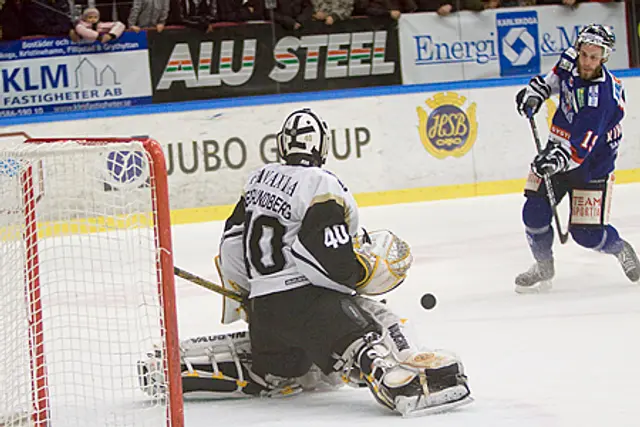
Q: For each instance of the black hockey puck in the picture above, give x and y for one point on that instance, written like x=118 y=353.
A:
x=428 y=301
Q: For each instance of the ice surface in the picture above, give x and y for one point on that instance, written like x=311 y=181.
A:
x=567 y=358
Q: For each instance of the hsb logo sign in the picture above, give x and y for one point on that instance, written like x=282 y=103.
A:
x=447 y=128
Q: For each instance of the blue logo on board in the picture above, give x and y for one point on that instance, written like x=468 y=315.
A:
x=126 y=169
x=9 y=167
x=518 y=48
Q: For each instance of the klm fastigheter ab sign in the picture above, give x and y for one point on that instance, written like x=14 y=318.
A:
x=57 y=75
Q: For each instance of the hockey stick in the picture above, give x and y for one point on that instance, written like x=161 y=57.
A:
x=564 y=237
x=208 y=285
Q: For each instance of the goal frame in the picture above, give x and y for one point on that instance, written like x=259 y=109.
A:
x=165 y=278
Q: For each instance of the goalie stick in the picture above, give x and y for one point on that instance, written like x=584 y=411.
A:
x=207 y=284
x=563 y=236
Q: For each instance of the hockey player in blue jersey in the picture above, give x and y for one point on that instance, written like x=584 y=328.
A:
x=579 y=156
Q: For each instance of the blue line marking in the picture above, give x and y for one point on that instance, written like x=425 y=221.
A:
x=251 y=101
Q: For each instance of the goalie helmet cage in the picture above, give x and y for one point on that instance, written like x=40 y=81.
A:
x=86 y=284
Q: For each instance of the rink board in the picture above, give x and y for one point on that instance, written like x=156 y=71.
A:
x=392 y=145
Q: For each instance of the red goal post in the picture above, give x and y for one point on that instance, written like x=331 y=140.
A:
x=91 y=260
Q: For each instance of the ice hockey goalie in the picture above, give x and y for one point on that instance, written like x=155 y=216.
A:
x=292 y=248
x=402 y=376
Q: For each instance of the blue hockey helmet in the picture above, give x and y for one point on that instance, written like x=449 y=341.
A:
x=598 y=35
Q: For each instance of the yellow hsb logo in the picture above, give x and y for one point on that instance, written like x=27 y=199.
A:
x=447 y=129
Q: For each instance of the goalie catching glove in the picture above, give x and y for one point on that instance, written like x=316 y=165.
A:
x=386 y=259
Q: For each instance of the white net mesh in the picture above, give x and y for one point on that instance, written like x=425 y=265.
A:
x=99 y=305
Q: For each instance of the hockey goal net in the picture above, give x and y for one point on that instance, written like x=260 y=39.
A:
x=86 y=283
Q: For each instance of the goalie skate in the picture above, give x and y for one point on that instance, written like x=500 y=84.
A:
x=537 y=279
x=439 y=386
x=428 y=391
x=434 y=403
x=629 y=261
x=412 y=385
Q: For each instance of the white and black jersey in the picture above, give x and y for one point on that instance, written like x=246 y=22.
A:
x=293 y=226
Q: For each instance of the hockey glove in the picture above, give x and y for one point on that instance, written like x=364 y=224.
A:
x=550 y=161
x=530 y=99
x=386 y=260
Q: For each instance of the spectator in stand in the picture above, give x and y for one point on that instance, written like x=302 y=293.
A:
x=292 y=14
x=11 y=20
x=175 y=12
x=513 y=3
x=240 y=10
x=200 y=14
x=331 y=11
x=148 y=13
x=393 y=8
x=110 y=10
x=570 y=3
x=46 y=18
x=445 y=7
x=89 y=28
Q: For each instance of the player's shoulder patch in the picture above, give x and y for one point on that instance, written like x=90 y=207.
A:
x=593 y=95
x=618 y=87
x=565 y=65
x=567 y=60
x=618 y=90
x=570 y=53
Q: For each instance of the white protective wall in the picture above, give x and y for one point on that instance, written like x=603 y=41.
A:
x=377 y=145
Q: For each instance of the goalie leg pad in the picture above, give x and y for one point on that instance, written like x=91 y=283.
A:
x=220 y=366
x=427 y=382
x=215 y=366
x=402 y=377
x=232 y=310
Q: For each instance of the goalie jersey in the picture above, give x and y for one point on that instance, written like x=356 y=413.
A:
x=587 y=121
x=292 y=227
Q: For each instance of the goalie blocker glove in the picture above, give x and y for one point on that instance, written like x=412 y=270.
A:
x=530 y=98
x=550 y=161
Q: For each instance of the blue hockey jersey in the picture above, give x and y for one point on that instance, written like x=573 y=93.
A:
x=587 y=121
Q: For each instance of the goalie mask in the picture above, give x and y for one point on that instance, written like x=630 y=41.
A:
x=303 y=139
x=598 y=35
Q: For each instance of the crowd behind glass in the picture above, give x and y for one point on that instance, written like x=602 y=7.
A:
x=105 y=20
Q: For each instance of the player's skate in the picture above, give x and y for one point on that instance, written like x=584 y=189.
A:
x=537 y=278
x=629 y=261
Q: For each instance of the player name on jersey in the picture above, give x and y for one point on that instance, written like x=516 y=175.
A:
x=268 y=200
